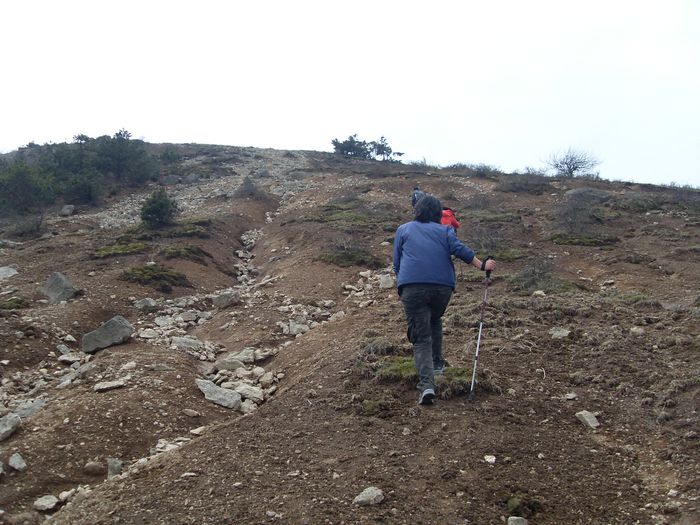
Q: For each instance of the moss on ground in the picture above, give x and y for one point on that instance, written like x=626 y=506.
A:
x=508 y=255
x=188 y=252
x=583 y=239
x=14 y=303
x=119 y=249
x=375 y=408
x=345 y=256
x=160 y=277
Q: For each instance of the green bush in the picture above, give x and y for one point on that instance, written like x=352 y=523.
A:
x=158 y=210
x=119 y=249
x=527 y=183
x=160 y=277
x=347 y=254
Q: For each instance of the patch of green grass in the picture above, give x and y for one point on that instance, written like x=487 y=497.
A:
x=539 y=276
x=119 y=249
x=348 y=255
x=380 y=346
x=637 y=258
x=508 y=254
x=160 y=277
x=522 y=504
x=14 y=303
x=583 y=239
x=190 y=228
x=399 y=370
x=637 y=299
x=374 y=408
x=188 y=252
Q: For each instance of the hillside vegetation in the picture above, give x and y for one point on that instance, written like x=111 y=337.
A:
x=257 y=368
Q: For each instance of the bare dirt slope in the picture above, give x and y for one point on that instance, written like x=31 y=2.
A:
x=610 y=327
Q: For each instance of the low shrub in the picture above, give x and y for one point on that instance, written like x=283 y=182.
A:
x=249 y=190
x=526 y=183
x=119 y=249
x=539 y=276
x=190 y=253
x=345 y=255
x=14 y=303
x=158 y=210
x=583 y=239
x=160 y=277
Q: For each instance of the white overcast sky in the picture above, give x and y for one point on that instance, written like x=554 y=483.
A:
x=504 y=82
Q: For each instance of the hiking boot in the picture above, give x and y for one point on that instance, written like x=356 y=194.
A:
x=439 y=370
x=426 y=397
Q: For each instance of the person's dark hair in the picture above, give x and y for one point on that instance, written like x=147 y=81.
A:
x=428 y=209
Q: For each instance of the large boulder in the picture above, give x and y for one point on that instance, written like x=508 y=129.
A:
x=228 y=362
x=67 y=210
x=226 y=299
x=113 y=332
x=220 y=396
x=58 y=288
x=8 y=425
x=6 y=272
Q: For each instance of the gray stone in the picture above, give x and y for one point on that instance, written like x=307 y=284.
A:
x=297 y=328
x=8 y=425
x=113 y=332
x=248 y=406
x=189 y=315
x=588 y=419
x=17 y=462
x=369 y=496
x=58 y=288
x=106 y=386
x=67 y=210
x=145 y=303
x=517 y=520
x=187 y=343
x=63 y=349
x=251 y=392
x=190 y=413
x=266 y=380
x=46 y=503
x=114 y=467
x=163 y=321
x=6 y=272
x=247 y=355
x=70 y=358
x=192 y=178
x=30 y=407
x=386 y=281
x=228 y=362
x=637 y=331
x=148 y=333
x=94 y=468
x=226 y=299
x=559 y=333
x=220 y=396
x=262 y=354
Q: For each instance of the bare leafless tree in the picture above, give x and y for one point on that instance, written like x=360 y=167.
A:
x=573 y=163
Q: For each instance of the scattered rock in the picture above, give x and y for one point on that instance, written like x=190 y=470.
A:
x=228 y=362
x=17 y=462
x=63 y=349
x=539 y=293
x=148 y=333
x=251 y=392
x=199 y=431
x=8 y=425
x=226 y=299
x=66 y=495
x=191 y=413
x=386 y=281
x=637 y=331
x=588 y=419
x=46 y=503
x=106 y=386
x=490 y=459
x=6 y=272
x=29 y=407
x=570 y=396
x=559 y=333
x=58 y=288
x=187 y=343
x=70 y=358
x=94 y=468
x=220 y=396
x=114 y=467
x=246 y=356
x=516 y=520
x=113 y=332
x=337 y=316
x=369 y=496
x=67 y=210
x=147 y=302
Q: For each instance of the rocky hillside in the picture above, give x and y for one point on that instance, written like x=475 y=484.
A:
x=249 y=363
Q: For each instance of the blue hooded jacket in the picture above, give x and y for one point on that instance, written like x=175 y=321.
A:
x=422 y=254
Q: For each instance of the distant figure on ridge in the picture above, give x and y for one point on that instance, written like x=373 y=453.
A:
x=417 y=195
x=448 y=218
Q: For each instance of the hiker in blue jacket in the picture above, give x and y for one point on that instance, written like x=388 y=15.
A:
x=426 y=279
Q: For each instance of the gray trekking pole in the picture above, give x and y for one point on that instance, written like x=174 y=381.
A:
x=487 y=281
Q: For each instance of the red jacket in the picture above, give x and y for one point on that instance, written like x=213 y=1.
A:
x=448 y=219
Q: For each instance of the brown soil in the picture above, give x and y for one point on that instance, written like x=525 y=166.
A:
x=309 y=450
